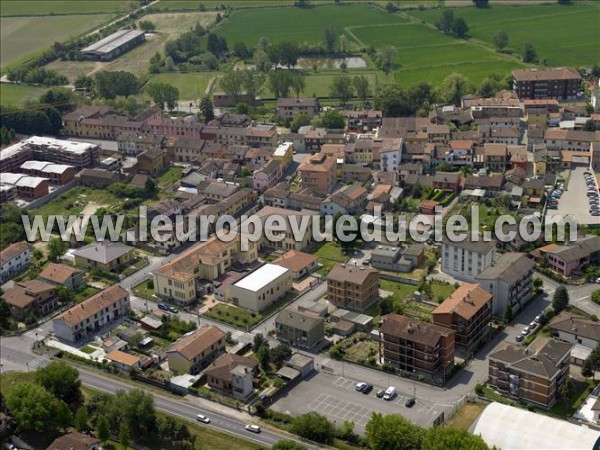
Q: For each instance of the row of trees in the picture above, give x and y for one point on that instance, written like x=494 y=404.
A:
x=163 y=94
x=448 y=24
x=252 y=82
x=36 y=75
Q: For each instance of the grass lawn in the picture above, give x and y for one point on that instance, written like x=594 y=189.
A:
x=19 y=42
x=276 y=24
x=573 y=40
x=400 y=290
x=580 y=392
x=60 y=205
x=439 y=289
x=170 y=176
x=9 y=379
x=465 y=416
x=87 y=349
x=362 y=351
x=142 y=290
x=329 y=254
x=192 y=85
x=16 y=94
x=233 y=315
x=48 y=7
x=88 y=291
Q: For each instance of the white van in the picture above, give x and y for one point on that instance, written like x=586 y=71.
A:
x=390 y=393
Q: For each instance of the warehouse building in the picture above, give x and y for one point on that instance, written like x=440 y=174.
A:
x=261 y=288
x=114 y=45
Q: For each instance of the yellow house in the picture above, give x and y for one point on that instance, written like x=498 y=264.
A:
x=194 y=352
x=283 y=154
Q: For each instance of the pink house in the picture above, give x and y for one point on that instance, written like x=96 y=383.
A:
x=572 y=257
x=267 y=177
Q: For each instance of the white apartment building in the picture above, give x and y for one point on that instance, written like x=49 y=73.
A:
x=14 y=259
x=467 y=259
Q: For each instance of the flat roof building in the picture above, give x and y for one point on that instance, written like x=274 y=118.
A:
x=261 y=288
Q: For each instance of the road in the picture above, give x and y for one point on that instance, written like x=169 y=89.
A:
x=16 y=355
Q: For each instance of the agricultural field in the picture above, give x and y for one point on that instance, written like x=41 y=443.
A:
x=168 y=26
x=60 y=7
x=573 y=39
x=16 y=94
x=18 y=41
x=282 y=23
x=192 y=85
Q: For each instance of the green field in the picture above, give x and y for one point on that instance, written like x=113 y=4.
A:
x=564 y=35
x=192 y=86
x=22 y=37
x=16 y=94
x=49 y=7
x=284 y=23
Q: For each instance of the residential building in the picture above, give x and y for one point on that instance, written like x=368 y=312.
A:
x=533 y=375
x=194 y=352
x=468 y=311
x=447 y=181
x=299 y=263
x=62 y=275
x=299 y=329
x=98 y=178
x=27 y=187
x=318 y=173
x=495 y=157
x=397 y=259
x=75 y=441
x=390 y=155
x=352 y=287
x=114 y=45
x=14 y=259
x=510 y=280
x=575 y=140
x=576 y=330
x=93 y=315
x=287 y=108
x=225 y=100
x=103 y=256
x=284 y=153
x=55 y=173
x=132 y=144
x=124 y=362
x=467 y=259
x=32 y=297
x=261 y=288
x=573 y=257
x=268 y=176
x=412 y=346
x=359 y=152
x=350 y=199
x=151 y=161
x=562 y=83
x=233 y=375
x=363 y=121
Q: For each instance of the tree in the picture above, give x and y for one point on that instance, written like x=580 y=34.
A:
x=561 y=298
x=330 y=36
x=206 y=109
x=361 y=86
x=313 y=426
x=232 y=83
x=81 y=419
x=391 y=7
x=84 y=82
x=454 y=87
x=447 y=21
x=442 y=438
x=343 y=43
x=341 y=87
x=500 y=40
x=566 y=390
x=264 y=357
x=285 y=53
x=564 y=2
x=263 y=44
x=262 y=61
x=333 y=120
x=35 y=409
x=346 y=432
x=591 y=363
x=538 y=283
x=56 y=248
x=298 y=121
x=113 y=84
x=124 y=435
x=146 y=26
x=589 y=125
x=385 y=306
x=460 y=28
x=163 y=94
x=481 y=3
x=287 y=444
x=385 y=59
x=62 y=381
x=280 y=353
x=240 y=50
x=392 y=432
x=253 y=82
x=297 y=83
x=529 y=53
x=216 y=45
x=280 y=82
x=259 y=341
x=102 y=430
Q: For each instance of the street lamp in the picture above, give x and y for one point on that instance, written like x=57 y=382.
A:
x=415 y=384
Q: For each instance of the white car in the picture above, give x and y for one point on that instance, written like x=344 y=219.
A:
x=202 y=418
x=253 y=428
x=360 y=386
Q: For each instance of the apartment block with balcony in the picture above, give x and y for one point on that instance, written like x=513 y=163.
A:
x=194 y=352
x=413 y=346
x=561 y=83
x=318 y=173
x=352 y=287
x=468 y=311
x=533 y=375
x=510 y=280
x=300 y=329
x=573 y=257
x=467 y=259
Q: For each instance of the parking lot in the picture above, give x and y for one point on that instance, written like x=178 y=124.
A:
x=574 y=200
x=336 y=398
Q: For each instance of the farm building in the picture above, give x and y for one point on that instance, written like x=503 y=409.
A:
x=114 y=45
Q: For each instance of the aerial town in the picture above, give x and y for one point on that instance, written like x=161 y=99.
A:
x=313 y=327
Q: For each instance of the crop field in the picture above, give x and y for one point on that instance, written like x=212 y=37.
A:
x=16 y=94
x=49 y=7
x=23 y=36
x=563 y=35
x=276 y=24
x=191 y=85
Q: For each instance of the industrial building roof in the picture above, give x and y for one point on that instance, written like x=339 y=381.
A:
x=261 y=277
x=110 y=43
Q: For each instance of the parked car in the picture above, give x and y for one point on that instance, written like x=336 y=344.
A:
x=173 y=310
x=253 y=428
x=526 y=330
x=367 y=389
x=390 y=393
x=163 y=307
x=519 y=338
x=538 y=318
x=380 y=393
x=410 y=403
x=202 y=418
x=360 y=386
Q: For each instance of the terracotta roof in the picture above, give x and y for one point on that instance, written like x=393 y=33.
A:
x=350 y=274
x=36 y=286
x=93 y=305
x=17 y=296
x=199 y=341
x=465 y=302
x=58 y=273
x=413 y=330
x=12 y=251
x=494 y=149
x=221 y=368
x=73 y=441
x=295 y=261
x=126 y=359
